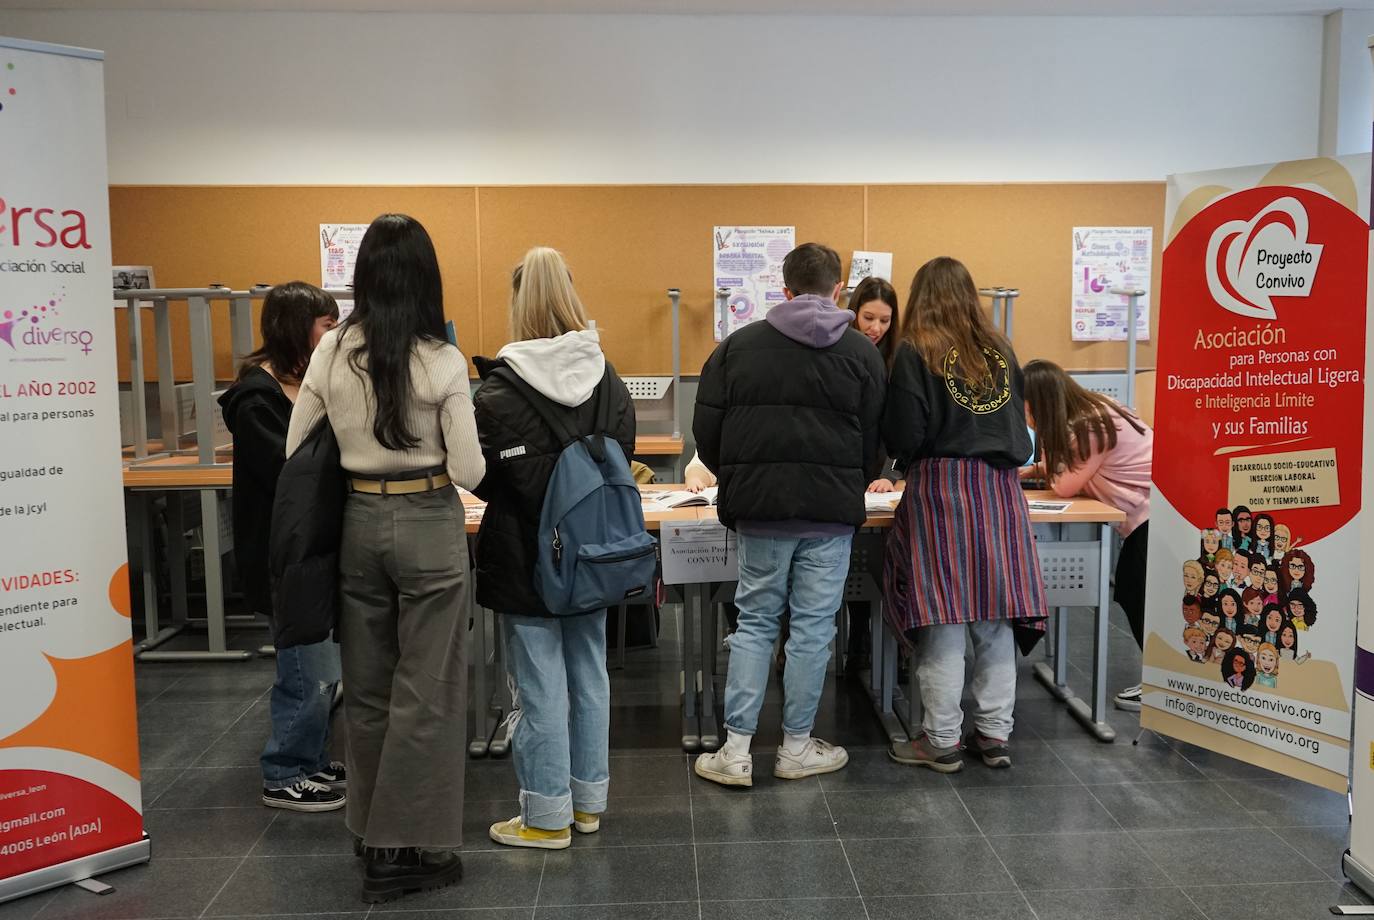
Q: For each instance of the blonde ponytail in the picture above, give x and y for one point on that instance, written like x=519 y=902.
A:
x=543 y=302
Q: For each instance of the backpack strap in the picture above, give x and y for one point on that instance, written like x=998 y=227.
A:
x=557 y=423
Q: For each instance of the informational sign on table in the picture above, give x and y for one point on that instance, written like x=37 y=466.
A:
x=1255 y=512
x=698 y=551
x=339 y=253
x=748 y=263
x=1107 y=258
x=69 y=770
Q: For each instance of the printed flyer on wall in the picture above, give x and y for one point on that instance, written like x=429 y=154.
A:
x=1107 y=258
x=748 y=262
x=69 y=771
x=1254 y=519
x=339 y=253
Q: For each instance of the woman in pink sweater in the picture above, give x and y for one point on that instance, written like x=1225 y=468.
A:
x=1091 y=445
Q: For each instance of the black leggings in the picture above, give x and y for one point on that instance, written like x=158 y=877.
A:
x=1130 y=580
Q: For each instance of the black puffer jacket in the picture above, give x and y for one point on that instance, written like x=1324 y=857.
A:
x=787 y=416
x=257 y=413
x=521 y=452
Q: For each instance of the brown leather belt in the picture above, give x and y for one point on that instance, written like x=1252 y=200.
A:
x=401 y=486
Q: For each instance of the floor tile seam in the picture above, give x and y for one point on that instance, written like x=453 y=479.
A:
x=692 y=831
x=211 y=903
x=263 y=833
x=835 y=829
x=1102 y=806
x=538 y=889
x=988 y=843
x=1310 y=861
x=51 y=896
x=1156 y=863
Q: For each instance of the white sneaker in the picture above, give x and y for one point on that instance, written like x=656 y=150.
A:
x=817 y=757
x=726 y=768
x=1129 y=699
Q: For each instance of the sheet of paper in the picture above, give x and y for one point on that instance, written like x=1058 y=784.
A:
x=698 y=551
x=133 y=278
x=869 y=265
x=1105 y=258
x=338 y=253
x=1045 y=507
x=881 y=501
x=748 y=263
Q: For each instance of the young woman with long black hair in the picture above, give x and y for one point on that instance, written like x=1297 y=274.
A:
x=396 y=393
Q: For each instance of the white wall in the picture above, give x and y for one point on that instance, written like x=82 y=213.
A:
x=1347 y=98
x=225 y=98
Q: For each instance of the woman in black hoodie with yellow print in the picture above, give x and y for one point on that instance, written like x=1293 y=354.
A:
x=297 y=773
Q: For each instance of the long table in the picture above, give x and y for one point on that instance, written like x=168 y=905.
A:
x=173 y=475
x=1077 y=573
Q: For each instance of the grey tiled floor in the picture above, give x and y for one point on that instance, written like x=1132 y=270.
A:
x=1077 y=829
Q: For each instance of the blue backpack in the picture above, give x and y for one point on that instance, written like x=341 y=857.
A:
x=594 y=551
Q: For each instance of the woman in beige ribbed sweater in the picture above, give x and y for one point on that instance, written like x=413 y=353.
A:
x=396 y=393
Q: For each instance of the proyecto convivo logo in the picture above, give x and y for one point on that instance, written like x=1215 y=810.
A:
x=1249 y=262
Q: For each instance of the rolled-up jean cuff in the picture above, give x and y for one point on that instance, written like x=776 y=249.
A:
x=589 y=798
x=276 y=785
x=548 y=813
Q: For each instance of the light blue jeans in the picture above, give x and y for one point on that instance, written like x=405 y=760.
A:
x=805 y=576
x=301 y=702
x=940 y=672
x=561 y=743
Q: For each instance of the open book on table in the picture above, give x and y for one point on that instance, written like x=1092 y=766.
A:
x=681 y=498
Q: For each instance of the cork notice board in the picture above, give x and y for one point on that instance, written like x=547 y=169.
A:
x=627 y=245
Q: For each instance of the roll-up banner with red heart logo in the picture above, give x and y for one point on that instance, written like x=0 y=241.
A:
x=1255 y=511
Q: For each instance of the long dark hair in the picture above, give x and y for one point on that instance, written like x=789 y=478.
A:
x=945 y=321
x=1071 y=421
x=874 y=288
x=398 y=300
x=288 y=315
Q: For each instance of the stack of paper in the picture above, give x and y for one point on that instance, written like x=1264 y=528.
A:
x=681 y=499
x=881 y=501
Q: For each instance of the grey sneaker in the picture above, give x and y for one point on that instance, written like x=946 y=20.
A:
x=816 y=758
x=920 y=752
x=996 y=754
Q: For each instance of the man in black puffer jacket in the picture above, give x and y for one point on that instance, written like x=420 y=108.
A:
x=787 y=418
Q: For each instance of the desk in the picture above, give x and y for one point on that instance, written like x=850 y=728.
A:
x=175 y=474
x=881 y=681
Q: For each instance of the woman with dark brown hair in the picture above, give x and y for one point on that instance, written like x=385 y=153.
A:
x=1089 y=444
x=961 y=558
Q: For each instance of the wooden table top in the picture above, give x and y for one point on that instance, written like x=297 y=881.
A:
x=660 y=445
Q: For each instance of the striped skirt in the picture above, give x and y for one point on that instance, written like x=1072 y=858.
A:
x=961 y=550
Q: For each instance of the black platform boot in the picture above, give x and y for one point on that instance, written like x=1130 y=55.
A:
x=390 y=873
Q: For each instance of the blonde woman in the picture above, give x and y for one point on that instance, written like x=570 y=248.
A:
x=557 y=665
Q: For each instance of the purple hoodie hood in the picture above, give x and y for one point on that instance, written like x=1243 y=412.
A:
x=810 y=319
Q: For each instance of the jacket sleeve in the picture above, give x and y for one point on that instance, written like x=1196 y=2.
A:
x=625 y=418
x=488 y=425
x=260 y=444
x=874 y=396
x=906 y=413
x=709 y=417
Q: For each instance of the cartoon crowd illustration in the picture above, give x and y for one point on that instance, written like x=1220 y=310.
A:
x=1247 y=599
